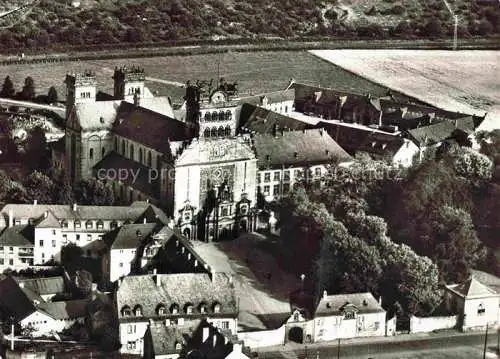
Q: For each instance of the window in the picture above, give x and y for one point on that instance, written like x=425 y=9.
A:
x=89 y=237
x=206 y=133
x=120 y=265
x=1 y=261
x=349 y=315
x=244 y=209
x=213 y=132
x=123 y=147
x=141 y=156
x=481 y=310
x=150 y=161
x=78 y=224
x=207 y=116
x=114 y=224
x=277 y=176
x=376 y=325
x=224 y=211
x=11 y=262
x=88 y=225
x=227 y=131
x=116 y=145
x=11 y=249
x=276 y=190
x=131 y=345
x=214 y=116
x=100 y=224
x=217 y=308
x=225 y=324
x=178 y=346
x=64 y=223
x=296 y=317
x=286 y=175
x=53 y=243
x=103 y=152
x=54 y=232
x=297 y=173
x=286 y=187
x=161 y=310
x=130 y=328
x=65 y=238
x=189 y=309
x=174 y=309
x=267 y=177
x=77 y=237
x=228 y=115
x=138 y=311
x=131 y=152
x=91 y=153
x=317 y=171
x=266 y=190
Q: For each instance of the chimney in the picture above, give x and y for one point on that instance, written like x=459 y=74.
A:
x=35 y=202
x=21 y=284
x=325 y=294
x=380 y=300
x=74 y=207
x=144 y=220
x=157 y=280
x=214 y=340
x=45 y=214
x=237 y=348
x=456 y=123
x=205 y=334
x=212 y=275
x=11 y=218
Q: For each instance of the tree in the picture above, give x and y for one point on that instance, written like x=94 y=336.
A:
x=71 y=256
x=39 y=187
x=83 y=282
x=52 y=95
x=94 y=192
x=472 y=164
x=433 y=28
x=37 y=155
x=7 y=88
x=28 y=91
x=63 y=191
x=484 y=28
x=457 y=247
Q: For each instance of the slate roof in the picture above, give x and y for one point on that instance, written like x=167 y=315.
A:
x=349 y=138
x=14 y=301
x=334 y=304
x=149 y=128
x=472 y=288
x=71 y=309
x=18 y=236
x=433 y=133
x=165 y=338
x=97 y=115
x=59 y=145
x=117 y=162
x=27 y=211
x=387 y=104
x=129 y=236
x=295 y=148
x=381 y=144
x=272 y=97
x=45 y=286
x=180 y=289
x=216 y=346
x=260 y=120
x=159 y=105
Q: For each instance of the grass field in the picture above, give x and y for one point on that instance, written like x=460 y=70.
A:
x=463 y=81
x=256 y=72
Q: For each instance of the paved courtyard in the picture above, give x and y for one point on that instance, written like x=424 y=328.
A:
x=262 y=286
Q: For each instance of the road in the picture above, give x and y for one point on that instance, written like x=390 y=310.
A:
x=10 y=102
x=456 y=346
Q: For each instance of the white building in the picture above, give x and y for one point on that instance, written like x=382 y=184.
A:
x=476 y=304
x=34 y=234
x=174 y=301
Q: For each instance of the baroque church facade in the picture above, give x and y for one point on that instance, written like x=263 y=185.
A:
x=198 y=169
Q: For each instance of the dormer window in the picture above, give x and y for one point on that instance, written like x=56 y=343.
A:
x=88 y=224
x=349 y=315
x=64 y=223
x=188 y=309
x=202 y=308
x=178 y=346
x=114 y=224
x=481 y=310
x=78 y=224
x=244 y=209
x=217 y=308
x=161 y=310
x=138 y=311
x=296 y=317
x=100 y=224
x=126 y=312
x=174 y=309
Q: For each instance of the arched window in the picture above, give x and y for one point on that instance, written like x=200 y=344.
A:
x=202 y=308
x=103 y=152
x=126 y=311
x=286 y=109
x=123 y=147
x=138 y=311
x=116 y=145
x=228 y=115
x=141 y=159
x=161 y=310
x=131 y=152
x=206 y=133
x=174 y=309
x=213 y=132
x=178 y=346
x=78 y=224
x=207 y=116
x=188 y=308
x=221 y=131
x=214 y=116
x=64 y=223
x=114 y=224
x=222 y=116
x=100 y=224
x=150 y=161
x=227 y=131
x=91 y=153
x=88 y=224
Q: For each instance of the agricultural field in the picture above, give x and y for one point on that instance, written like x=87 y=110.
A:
x=256 y=72
x=462 y=81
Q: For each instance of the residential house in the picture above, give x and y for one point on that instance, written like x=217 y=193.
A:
x=174 y=300
x=278 y=101
x=37 y=232
x=290 y=157
x=31 y=313
x=477 y=305
x=395 y=150
x=348 y=316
